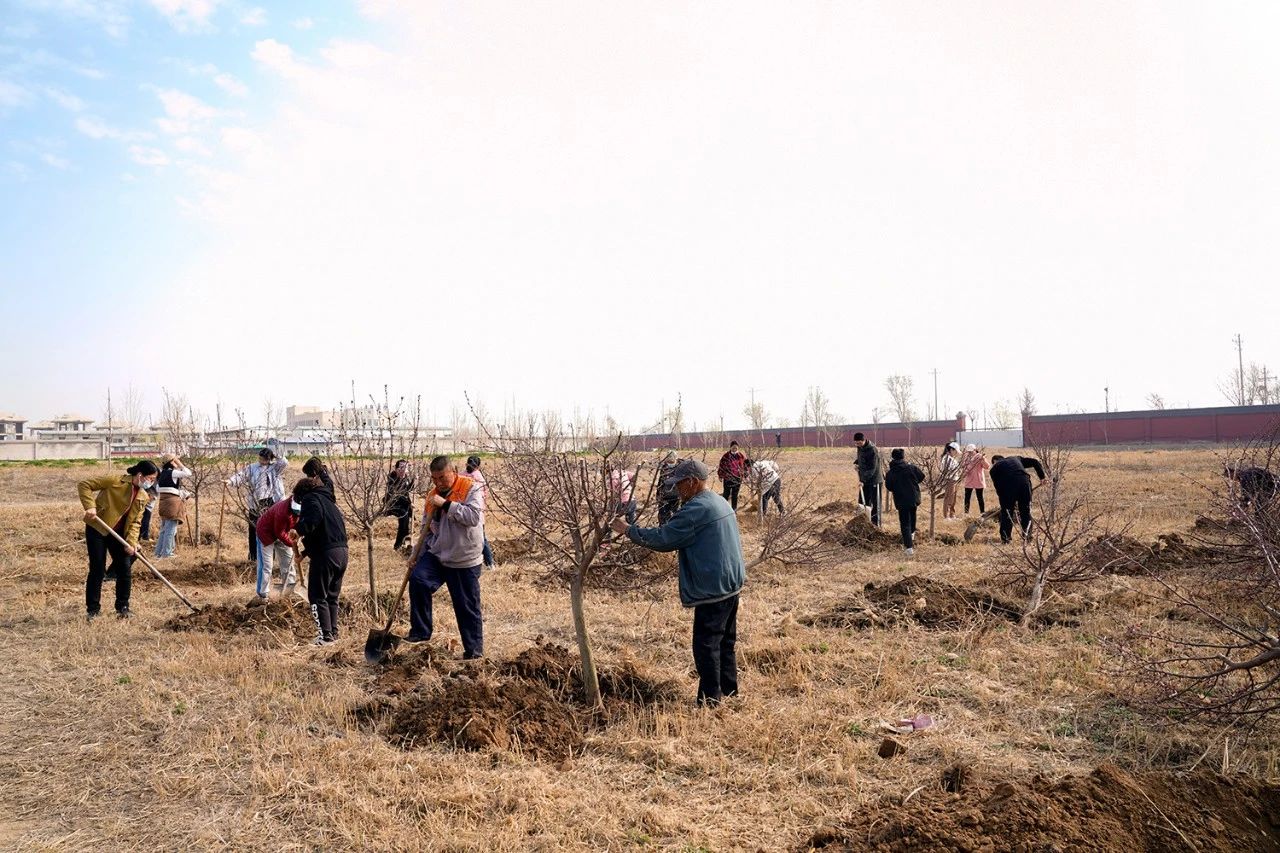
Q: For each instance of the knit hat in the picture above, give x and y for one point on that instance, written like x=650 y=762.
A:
x=685 y=469
x=971 y=447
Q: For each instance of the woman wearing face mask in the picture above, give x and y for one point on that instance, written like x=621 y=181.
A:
x=120 y=502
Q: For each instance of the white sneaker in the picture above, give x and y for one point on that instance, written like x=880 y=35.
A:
x=910 y=551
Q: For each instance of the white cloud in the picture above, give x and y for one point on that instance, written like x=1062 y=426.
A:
x=98 y=129
x=187 y=15
x=145 y=156
x=64 y=99
x=13 y=95
x=191 y=145
x=351 y=55
x=110 y=15
x=55 y=161
x=183 y=112
x=303 y=24
x=229 y=84
x=278 y=57
x=17 y=170
x=255 y=17
x=242 y=141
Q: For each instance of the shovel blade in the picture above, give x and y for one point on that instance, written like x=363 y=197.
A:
x=379 y=646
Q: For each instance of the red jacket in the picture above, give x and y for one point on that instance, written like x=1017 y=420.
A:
x=276 y=524
x=733 y=465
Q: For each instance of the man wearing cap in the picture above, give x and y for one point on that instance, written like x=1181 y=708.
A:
x=870 y=475
x=264 y=488
x=276 y=538
x=705 y=533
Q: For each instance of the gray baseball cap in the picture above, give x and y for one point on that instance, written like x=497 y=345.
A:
x=685 y=469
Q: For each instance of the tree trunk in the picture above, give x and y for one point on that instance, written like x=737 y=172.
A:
x=373 y=586
x=1037 y=593
x=196 y=532
x=933 y=503
x=590 y=681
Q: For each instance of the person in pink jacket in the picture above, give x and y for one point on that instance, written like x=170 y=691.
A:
x=975 y=467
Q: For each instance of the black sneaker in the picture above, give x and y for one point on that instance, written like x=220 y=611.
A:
x=322 y=640
x=91 y=615
x=413 y=639
x=123 y=613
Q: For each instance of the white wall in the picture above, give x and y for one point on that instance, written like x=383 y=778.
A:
x=26 y=451
x=991 y=437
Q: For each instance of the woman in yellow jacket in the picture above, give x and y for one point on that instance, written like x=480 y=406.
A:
x=121 y=499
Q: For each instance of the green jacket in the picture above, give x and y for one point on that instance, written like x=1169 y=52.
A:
x=117 y=498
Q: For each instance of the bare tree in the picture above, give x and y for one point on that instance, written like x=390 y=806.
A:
x=1257 y=386
x=675 y=422
x=936 y=477
x=1026 y=403
x=273 y=417
x=1068 y=526
x=902 y=397
x=819 y=410
x=795 y=538
x=1003 y=416
x=1223 y=661
x=564 y=501
x=757 y=416
x=1155 y=401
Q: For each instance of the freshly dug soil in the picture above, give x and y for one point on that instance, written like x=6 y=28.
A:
x=510 y=549
x=859 y=532
x=1123 y=555
x=284 y=621
x=838 y=508
x=555 y=667
x=1106 y=810
x=205 y=572
x=518 y=715
x=914 y=600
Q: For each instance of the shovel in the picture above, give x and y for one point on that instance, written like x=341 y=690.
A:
x=102 y=525
x=382 y=642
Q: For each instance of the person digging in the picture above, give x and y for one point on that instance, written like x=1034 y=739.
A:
x=705 y=533
x=117 y=502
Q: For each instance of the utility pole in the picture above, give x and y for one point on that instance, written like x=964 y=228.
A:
x=1240 y=362
x=1106 y=406
x=1266 y=393
x=935 y=394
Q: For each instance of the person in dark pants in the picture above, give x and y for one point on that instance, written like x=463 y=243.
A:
x=449 y=552
x=399 y=500
x=705 y=533
x=668 y=497
x=1257 y=486
x=731 y=470
x=264 y=488
x=903 y=482
x=152 y=500
x=116 y=501
x=768 y=480
x=324 y=537
x=1013 y=488
x=870 y=475
x=777 y=439
x=473 y=471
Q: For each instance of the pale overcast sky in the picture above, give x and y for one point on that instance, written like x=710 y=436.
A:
x=601 y=205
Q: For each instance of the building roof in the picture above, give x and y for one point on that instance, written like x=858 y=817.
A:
x=12 y=418
x=63 y=419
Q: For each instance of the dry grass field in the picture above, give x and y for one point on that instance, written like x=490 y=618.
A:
x=131 y=735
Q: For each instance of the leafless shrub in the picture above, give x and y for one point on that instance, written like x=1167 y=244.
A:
x=368 y=441
x=1068 y=524
x=795 y=537
x=1224 y=662
x=564 y=500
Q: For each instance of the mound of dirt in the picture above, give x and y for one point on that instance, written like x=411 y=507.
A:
x=401 y=673
x=914 y=600
x=205 y=572
x=1106 y=810
x=519 y=715
x=1123 y=555
x=859 y=532
x=286 y=621
x=838 y=508
x=510 y=549
x=556 y=668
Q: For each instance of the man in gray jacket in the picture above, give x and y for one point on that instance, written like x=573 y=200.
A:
x=705 y=532
x=449 y=552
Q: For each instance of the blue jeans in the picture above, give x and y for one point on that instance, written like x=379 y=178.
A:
x=168 y=537
x=429 y=574
x=269 y=557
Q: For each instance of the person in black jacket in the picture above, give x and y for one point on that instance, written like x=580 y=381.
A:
x=903 y=482
x=324 y=535
x=399 y=501
x=1013 y=487
x=870 y=477
x=1257 y=485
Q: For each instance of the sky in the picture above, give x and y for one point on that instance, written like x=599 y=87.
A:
x=598 y=207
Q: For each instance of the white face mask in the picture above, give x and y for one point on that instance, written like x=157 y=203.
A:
x=146 y=484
